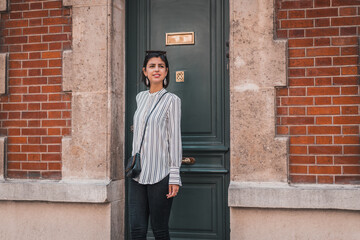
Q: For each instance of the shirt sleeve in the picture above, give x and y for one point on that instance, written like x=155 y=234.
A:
x=175 y=144
x=134 y=129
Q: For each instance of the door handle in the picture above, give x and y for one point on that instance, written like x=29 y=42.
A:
x=188 y=160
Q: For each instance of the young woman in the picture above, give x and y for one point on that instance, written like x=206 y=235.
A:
x=151 y=193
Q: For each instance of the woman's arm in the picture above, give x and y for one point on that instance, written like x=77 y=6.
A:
x=175 y=144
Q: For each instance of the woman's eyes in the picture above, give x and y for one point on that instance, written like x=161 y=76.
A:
x=160 y=66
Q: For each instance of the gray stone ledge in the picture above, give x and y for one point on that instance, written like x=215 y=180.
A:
x=299 y=196
x=89 y=191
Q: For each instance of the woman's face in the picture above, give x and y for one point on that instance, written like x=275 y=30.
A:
x=155 y=71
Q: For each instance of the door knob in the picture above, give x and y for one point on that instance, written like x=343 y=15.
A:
x=188 y=160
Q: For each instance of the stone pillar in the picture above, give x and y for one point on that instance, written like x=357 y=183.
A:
x=257 y=65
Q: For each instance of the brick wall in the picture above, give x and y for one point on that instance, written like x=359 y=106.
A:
x=319 y=109
x=35 y=113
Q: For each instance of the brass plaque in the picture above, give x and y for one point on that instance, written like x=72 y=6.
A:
x=180 y=38
x=180 y=76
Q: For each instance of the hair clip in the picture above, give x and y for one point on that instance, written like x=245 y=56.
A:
x=155 y=51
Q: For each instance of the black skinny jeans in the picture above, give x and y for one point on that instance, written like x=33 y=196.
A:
x=150 y=200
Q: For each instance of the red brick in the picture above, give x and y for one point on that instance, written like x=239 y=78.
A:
x=298 y=169
x=53 y=4
x=297 y=23
x=47 y=140
x=323 y=12
x=297 y=91
x=347 y=179
x=322 y=22
x=51 y=157
x=317 y=32
x=347 y=160
x=341 y=41
x=325 y=179
x=35 y=47
x=346 y=140
x=348 y=11
x=350 y=110
x=323 y=110
x=342 y=21
x=33 y=157
x=297 y=130
x=350 y=129
x=33 y=148
x=15 y=40
x=296 y=53
x=35 y=14
x=345 y=2
x=315 y=91
x=349 y=70
x=326 y=71
x=296 y=72
x=297 y=4
x=297 y=149
x=322 y=3
x=346 y=100
x=324 y=169
x=301 y=82
x=349 y=90
x=344 y=31
x=297 y=111
x=326 y=61
x=55 y=21
x=322 y=81
x=55 y=114
x=323 y=140
x=345 y=60
x=36 y=30
x=324 y=51
x=286 y=101
x=35 y=98
x=297 y=120
x=305 y=62
x=323 y=120
x=351 y=170
x=324 y=160
x=54 y=148
x=352 y=149
x=347 y=120
x=33 y=131
x=34 y=166
x=51 y=71
x=34 y=81
x=302 y=178
x=282 y=130
x=346 y=80
x=53 y=106
x=302 y=140
x=16 y=23
x=16 y=157
x=324 y=130
x=307 y=42
x=53 y=123
x=302 y=159
x=55 y=175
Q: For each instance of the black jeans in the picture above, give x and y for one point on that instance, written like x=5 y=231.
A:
x=150 y=200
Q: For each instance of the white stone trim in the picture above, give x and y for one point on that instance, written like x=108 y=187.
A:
x=299 y=196
x=3 y=72
x=89 y=191
x=3 y=5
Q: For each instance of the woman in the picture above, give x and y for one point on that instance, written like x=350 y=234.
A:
x=151 y=193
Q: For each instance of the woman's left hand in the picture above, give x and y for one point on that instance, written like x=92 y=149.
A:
x=173 y=190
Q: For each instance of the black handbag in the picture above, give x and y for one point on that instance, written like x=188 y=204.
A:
x=133 y=166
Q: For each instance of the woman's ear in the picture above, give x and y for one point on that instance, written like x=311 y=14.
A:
x=144 y=71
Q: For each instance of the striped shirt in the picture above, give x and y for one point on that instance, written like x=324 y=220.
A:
x=161 y=152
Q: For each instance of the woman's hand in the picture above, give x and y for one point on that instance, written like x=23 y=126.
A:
x=173 y=190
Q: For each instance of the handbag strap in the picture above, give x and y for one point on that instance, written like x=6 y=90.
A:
x=142 y=140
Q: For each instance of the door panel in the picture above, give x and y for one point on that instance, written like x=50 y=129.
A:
x=200 y=210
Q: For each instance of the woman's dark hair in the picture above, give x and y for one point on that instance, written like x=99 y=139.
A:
x=162 y=56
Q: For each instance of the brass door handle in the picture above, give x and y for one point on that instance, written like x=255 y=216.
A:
x=188 y=160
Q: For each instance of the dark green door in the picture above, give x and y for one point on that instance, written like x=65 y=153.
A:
x=200 y=210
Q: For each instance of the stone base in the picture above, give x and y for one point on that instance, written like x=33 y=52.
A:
x=270 y=224
x=41 y=220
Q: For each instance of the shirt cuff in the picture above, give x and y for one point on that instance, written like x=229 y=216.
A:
x=174 y=177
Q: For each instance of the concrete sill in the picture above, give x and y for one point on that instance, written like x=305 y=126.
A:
x=89 y=191
x=299 y=196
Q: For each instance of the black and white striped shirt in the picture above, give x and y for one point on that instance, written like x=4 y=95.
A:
x=161 y=152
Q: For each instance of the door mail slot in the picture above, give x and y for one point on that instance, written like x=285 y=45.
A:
x=180 y=38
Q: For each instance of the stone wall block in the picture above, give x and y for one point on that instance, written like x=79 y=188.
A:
x=85 y=154
x=258 y=65
x=2 y=157
x=90 y=49
x=67 y=70
x=3 y=5
x=3 y=72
